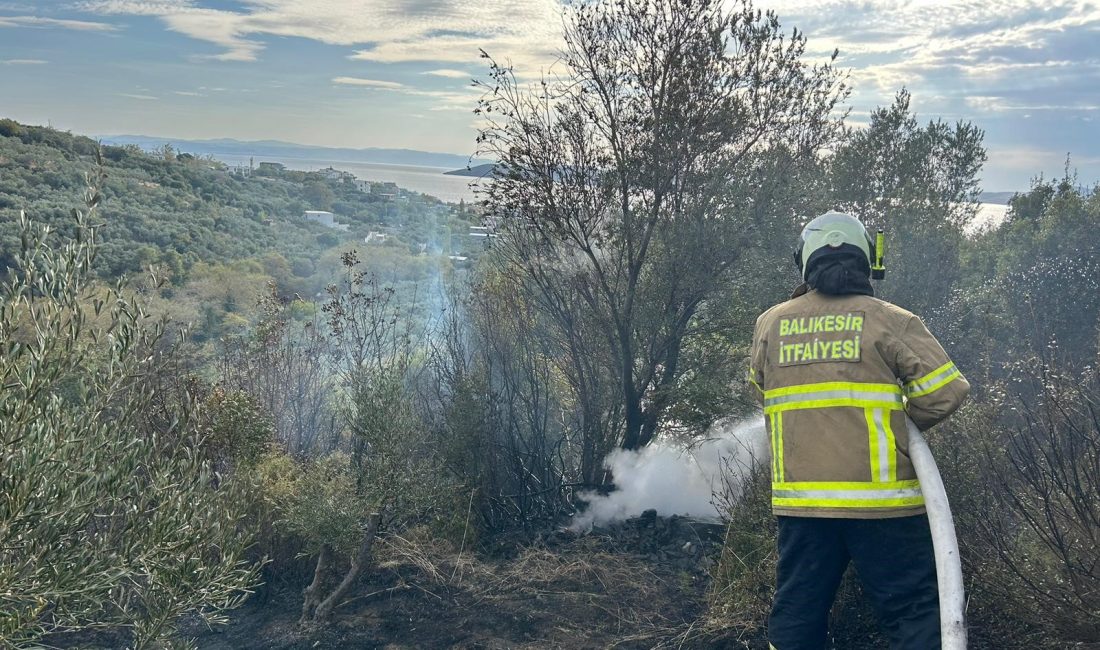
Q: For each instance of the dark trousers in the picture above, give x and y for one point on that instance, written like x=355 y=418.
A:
x=895 y=564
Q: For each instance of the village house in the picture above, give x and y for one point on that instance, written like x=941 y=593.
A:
x=333 y=174
x=324 y=218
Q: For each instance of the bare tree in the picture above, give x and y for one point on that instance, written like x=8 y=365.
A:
x=1046 y=480
x=282 y=364
x=630 y=186
x=496 y=400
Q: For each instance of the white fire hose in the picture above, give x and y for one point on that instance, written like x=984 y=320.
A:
x=946 y=545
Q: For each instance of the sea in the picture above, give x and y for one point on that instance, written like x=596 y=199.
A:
x=452 y=189
x=426 y=180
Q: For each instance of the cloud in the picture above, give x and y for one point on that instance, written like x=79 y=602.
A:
x=221 y=28
x=450 y=74
x=1000 y=104
x=950 y=49
x=384 y=30
x=188 y=93
x=437 y=100
x=141 y=97
x=136 y=7
x=955 y=49
x=22 y=62
x=55 y=23
x=370 y=83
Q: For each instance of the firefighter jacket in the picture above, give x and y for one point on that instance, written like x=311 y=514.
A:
x=837 y=376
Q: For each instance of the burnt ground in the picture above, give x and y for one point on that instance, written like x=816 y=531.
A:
x=639 y=584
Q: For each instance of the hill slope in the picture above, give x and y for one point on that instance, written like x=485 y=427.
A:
x=178 y=210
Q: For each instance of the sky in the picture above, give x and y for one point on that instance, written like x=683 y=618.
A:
x=396 y=73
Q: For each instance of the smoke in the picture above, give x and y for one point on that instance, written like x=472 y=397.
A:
x=675 y=480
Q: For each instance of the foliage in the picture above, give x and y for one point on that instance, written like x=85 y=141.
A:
x=219 y=235
x=106 y=522
x=1025 y=285
x=374 y=471
x=395 y=468
x=281 y=364
x=238 y=429
x=630 y=188
x=499 y=408
x=321 y=501
x=744 y=578
x=1046 y=493
x=919 y=185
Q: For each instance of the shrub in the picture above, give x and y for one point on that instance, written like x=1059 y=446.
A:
x=238 y=430
x=1029 y=494
x=107 y=522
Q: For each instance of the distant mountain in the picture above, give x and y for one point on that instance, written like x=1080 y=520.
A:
x=276 y=149
x=476 y=171
x=1000 y=198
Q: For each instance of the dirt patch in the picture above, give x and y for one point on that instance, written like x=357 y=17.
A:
x=640 y=584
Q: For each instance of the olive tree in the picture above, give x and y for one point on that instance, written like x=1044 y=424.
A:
x=920 y=184
x=107 y=521
x=631 y=184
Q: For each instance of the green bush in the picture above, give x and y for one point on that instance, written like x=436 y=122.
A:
x=744 y=578
x=238 y=430
x=108 y=520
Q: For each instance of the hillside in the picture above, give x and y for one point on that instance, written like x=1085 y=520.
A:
x=220 y=238
x=178 y=210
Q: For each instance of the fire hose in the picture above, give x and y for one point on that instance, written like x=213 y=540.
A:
x=946 y=545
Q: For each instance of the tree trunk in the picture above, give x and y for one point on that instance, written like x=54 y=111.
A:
x=310 y=595
x=358 y=564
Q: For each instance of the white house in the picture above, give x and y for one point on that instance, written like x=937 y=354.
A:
x=324 y=218
x=335 y=174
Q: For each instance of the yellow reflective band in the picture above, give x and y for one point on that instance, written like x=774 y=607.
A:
x=833 y=385
x=752 y=380
x=848 y=503
x=847 y=486
x=874 y=443
x=857 y=401
x=775 y=451
x=882 y=445
x=892 y=453
x=931 y=375
x=779 y=446
x=847 y=494
x=933 y=381
x=833 y=394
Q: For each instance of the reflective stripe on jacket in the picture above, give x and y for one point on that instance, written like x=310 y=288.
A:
x=837 y=375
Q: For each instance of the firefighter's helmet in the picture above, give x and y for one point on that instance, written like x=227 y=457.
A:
x=830 y=234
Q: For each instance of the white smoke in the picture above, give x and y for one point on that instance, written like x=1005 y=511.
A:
x=675 y=480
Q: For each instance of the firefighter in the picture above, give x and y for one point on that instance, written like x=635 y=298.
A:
x=838 y=371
